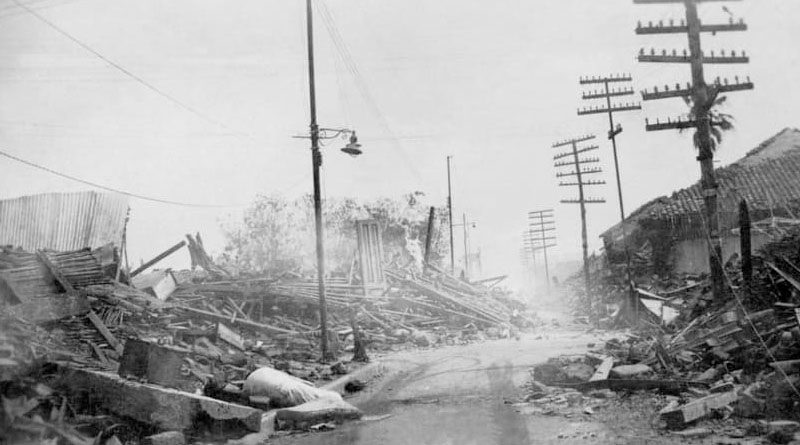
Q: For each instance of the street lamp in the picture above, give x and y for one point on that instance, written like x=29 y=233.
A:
x=353 y=149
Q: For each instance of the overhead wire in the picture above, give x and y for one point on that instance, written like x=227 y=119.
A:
x=361 y=84
x=290 y=187
x=107 y=188
x=133 y=75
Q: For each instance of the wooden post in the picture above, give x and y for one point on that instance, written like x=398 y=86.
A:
x=158 y=258
x=745 y=247
x=584 y=236
x=429 y=236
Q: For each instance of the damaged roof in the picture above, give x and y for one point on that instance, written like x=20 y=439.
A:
x=768 y=177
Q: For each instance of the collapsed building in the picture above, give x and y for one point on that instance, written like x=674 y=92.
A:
x=204 y=351
x=668 y=233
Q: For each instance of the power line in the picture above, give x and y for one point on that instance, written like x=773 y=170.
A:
x=111 y=189
x=361 y=84
x=130 y=74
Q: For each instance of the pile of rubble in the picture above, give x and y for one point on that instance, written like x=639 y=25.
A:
x=738 y=357
x=173 y=351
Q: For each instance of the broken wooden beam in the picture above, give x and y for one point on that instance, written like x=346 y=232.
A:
x=227 y=335
x=59 y=277
x=679 y=416
x=601 y=373
x=162 y=408
x=670 y=386
x=158 y=258
x=240 y=322
x=103 y=330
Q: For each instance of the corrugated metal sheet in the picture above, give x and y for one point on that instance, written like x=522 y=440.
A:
x=63 y=221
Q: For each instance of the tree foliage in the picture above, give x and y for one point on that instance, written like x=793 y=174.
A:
x=277 y=235
x=720 y=121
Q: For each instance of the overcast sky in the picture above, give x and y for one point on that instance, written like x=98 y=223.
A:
x=493 y=83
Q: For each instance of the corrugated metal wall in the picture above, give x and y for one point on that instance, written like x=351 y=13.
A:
x=63 y=221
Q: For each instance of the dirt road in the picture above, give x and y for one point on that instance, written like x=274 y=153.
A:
x=461 y=395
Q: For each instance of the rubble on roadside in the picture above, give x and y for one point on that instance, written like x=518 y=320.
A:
x=153 y=352
x=735 y=359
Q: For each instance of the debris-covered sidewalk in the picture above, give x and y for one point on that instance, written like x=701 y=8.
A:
x=704 y=366
x=93 y=355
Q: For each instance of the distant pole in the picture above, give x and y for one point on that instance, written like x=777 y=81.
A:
x=466 y=248
x=577 y=170
x=541 y=222
x=450 y=217
x=429 y=238
x=544 y=249
x=613 y=131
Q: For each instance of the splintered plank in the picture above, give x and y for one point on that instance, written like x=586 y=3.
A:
x=227 y=335
x=680 y=416
x=60 y=278
x=602 y=371
x=103 y=330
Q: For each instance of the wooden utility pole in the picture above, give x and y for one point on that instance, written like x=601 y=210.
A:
x=607 y=93
x=316 y=162
x=541 y=223
x=450 y=217
x=429 y=237
x=576 y=169
x=702 y=97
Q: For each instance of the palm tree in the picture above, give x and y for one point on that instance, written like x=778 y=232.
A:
x=720 y=122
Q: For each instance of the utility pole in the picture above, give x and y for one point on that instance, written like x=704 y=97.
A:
x=530 y=246
x=466 y=248
x=607 y=93
x=542 y=222
x=576 y=169
x=702 y=98
x=429 y=237
x=450 y=217
x=316 y=161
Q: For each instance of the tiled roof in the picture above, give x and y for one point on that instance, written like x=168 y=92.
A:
x=768 y=177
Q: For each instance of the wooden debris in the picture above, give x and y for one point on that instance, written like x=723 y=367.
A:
x=227 y=335
x=601 y=373
x=103 y=330
x=696 y=409
x=158 y=258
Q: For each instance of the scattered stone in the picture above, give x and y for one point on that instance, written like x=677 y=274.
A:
x=303 y=416
x=578 y=372
x=354 y=385
x=549 y=373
